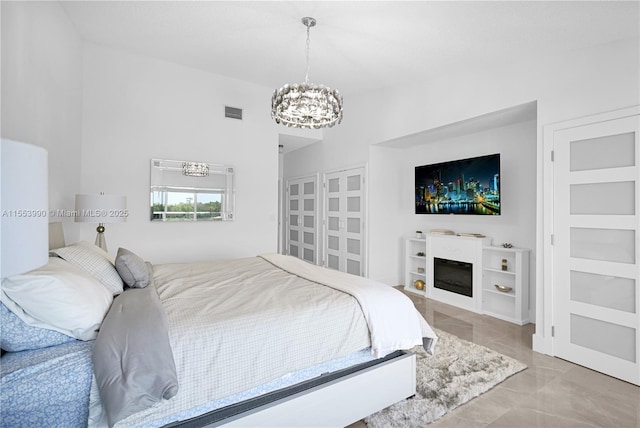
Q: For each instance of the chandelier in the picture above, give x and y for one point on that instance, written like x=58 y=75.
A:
x=195 y=169
x=305 y=105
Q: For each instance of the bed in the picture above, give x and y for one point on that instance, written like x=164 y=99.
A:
x=260 y=341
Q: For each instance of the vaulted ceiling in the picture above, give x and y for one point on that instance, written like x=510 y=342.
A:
x=357 y=45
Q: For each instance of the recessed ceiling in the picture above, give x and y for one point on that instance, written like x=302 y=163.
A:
x=357 y=45
x=497 y=119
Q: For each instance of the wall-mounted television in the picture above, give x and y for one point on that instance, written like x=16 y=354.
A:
x=464 y=186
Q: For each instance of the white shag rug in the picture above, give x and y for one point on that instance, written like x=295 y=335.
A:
x=458 y=372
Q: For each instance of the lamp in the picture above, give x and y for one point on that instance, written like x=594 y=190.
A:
x=305 y=105
x=24 y=206
x=101 y=209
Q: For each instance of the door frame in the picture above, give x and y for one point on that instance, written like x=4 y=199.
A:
x=543 y=338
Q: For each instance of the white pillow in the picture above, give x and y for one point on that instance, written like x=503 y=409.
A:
x=94 y=260
x=60 y=297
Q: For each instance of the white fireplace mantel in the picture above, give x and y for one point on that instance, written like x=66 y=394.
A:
x=491 y=268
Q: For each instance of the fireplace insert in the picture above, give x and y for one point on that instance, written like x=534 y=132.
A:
x=453 y=276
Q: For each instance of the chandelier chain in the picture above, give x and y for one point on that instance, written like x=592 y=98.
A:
x=308 y=52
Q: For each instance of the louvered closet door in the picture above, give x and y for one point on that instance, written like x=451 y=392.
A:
x=344 y=221
x=302 y=234
x=596 y=269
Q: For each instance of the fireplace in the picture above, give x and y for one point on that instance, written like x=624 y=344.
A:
x=453 y=276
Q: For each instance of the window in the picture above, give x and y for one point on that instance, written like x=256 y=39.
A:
x=191 y=191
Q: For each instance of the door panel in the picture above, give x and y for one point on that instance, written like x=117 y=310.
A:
x=595 y=263
x=344 y=221
x=302 y=223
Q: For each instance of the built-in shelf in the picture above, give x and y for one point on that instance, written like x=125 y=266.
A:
x=512 y=306
x=487 y=270
x=499 y=271
x=501 y=293
x=413 y=246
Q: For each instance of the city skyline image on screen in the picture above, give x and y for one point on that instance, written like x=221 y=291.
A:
x=465 y=186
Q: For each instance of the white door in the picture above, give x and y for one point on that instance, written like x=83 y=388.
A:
x=302 y=219
x=596 y=297
x=344 y=216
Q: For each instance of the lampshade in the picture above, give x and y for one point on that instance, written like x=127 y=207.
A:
x=24 y=206
x=101 y=209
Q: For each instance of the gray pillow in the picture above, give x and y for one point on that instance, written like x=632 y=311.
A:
x=134 y=271
x=132 y=357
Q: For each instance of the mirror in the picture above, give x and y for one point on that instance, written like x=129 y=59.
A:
x=191 y=191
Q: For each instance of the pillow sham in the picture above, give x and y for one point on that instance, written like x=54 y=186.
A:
x=58 y=296
x=16 y=335
x=134 y=271
x=94 y=260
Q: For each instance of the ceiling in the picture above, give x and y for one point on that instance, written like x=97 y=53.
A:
x=496 y=119
x=356 y=46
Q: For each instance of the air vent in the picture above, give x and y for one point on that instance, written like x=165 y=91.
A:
x=233 y=112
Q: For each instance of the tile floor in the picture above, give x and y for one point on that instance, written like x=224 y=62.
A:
x=550 y=393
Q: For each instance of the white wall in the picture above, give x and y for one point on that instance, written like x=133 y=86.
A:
x=387 y=181
x=570 y=85
x=137 y=108
x=517 y=146
x=42 y=93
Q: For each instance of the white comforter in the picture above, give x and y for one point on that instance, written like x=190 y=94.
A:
x=394 y=323
x=238 y=323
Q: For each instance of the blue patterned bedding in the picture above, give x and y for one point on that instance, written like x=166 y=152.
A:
x=46 y=387
x=50 y=387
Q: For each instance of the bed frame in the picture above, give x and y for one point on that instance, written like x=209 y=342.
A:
x=340 y=402
x=335 y=403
